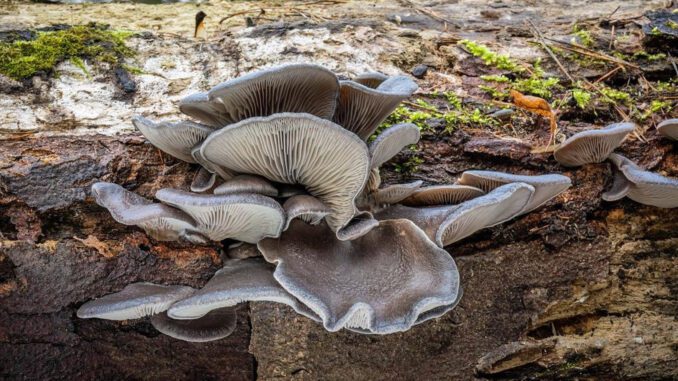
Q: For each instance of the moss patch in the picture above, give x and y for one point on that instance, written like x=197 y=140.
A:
x=94 y=42
x=490 y=58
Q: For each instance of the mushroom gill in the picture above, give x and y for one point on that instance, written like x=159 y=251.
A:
x=442 y=195
x=174 y=138
x=669 y=128
x=216 y=325
x=592 y=146
x=391 y=141
x=643 y=186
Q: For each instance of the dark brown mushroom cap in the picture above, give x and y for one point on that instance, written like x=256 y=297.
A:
x=380 y=283
x=307 y=208
x=442 y=195
x=647 y=187
x=546 y=187
x=203 y=180
x=237 y=282
x=134 y=301
x=496 y=207
x=330 y=162
x=592 y=146
x=174 y=138
x=247 y=184
x=361 y=109
x=161 y=222
x=391 y=141
x=246 y=217
x=371 y=80
x=669 y=128
x=216 y=325
x=299 y=88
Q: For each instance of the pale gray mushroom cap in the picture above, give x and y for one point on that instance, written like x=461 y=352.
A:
x=620 y=184
x=500 y=205
x=391 y=141
x=592 y=146
x=392 y=194
x=361 y=109
x=247 y=184
x=669 y=128
x=379 y=283
x=360 y=225
x=306 y=208
x=371 y=79
x=442 y=195
x=546 y=187
x=244 y=217
x=174 y=138
x=223 y=173
x=647 y=187
x=203 y=180
x=329 y=161
x=200 y=107
x=161 y=222
x=427 y=219
x=134 y=301
x=238 y=281
x=301 y=88
x=216 y=325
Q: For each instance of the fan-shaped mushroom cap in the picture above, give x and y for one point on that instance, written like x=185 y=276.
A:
x=546 y=187
x=161 y=222
x=592 y=146
x=243 y=251
x=442 y=195
x=393 y=194
x=134 y=301
x=371 y=80
x=500 y=205
x=669 y=128
x=200 y=107
x=330 y=162
x=203 y=180
x=360 y=225
x=174 y=138
x=307 y=208
x=299 y=88
x=214 y=326
x=247 y=184
x=246 y=217
x=361 y=109
x=645 y=187
x=391 y=141
x=211 y=167
x=381 y=282
x=427 y=219
x=237 y=282
x=440 y=311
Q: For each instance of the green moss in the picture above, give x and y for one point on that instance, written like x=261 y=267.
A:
x=649 y=57
x=671 y=24
x=495 y=78
x=23 y=59
x=540 y=87
x=583 y=36
x=582 y=97
x=410 y=165
x=613 y=96
x=77 y=61
x=133 y=69
x=490 y=58
x=655 y=31
x=453 y=100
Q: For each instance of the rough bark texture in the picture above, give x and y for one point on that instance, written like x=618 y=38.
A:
x=577 y=289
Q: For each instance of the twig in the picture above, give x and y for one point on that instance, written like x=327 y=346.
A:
x=608 y=74
x=537 y=34
x=673 y=62
x=586 y=51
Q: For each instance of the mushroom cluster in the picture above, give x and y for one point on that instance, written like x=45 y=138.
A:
x=289 y=171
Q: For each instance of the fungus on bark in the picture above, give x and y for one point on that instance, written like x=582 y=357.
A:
x=174 y=138
x=391 y=141
x=442 y=195
x=592 y=146
x=642 y=186
x=216 y=325
x=247 y=184
x=669 y=128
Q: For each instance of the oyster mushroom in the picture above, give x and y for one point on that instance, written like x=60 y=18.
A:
x=392 y=194
x=330 y=162
x=174 y=138
x=203 y=180
x=378 y=283
x=301 y=88
x=159 y=221
x=391 y=141
x=217 y=324
x=246 y=217
x=371 y=80
x=247 y=184
x=307 y=208
x=442 y=195
x=592 y=146
x=237 y=282
x=642 y=186
x=669 y=128
x=210 y=167
x=546 y=187
x=134 y=301
x=361 y=109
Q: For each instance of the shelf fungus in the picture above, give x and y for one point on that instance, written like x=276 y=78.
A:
x=288 y=184
x=640 y=185
x=592 y=146
x=669 y=128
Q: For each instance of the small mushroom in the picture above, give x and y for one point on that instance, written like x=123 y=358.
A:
x=301 y=88
x=620 y=184
x=392 y=194
x=546 y=187
x=216 y=325
x=330 y=162
x=174 y=138
x=203 y=180
x=159 y=221
x=592 y=146
x=644 y=187
x=237 y=282
x=669 y=128
x=223 y=173
x=371 y=80
x=361 y=109
x=442 y=195
x=391 y=141
x=307 y=208
x=247 y=184
x=134 y=301
x=246 y=217
x=360 y=225
x=379 y=283
x=427 y=219
x=500 y=205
